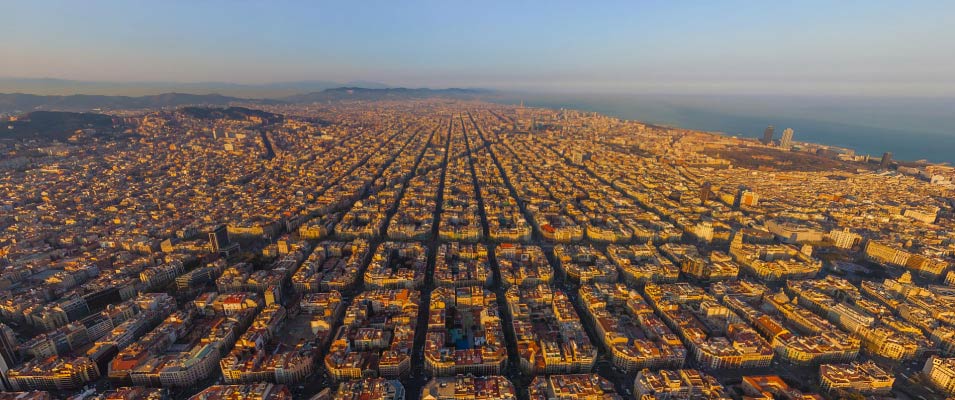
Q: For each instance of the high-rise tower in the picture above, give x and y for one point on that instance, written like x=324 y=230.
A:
x=8 y=354
x=768 y=135
x=787 y=140
x=219 y=238
x=886 y=160
x=706 y=190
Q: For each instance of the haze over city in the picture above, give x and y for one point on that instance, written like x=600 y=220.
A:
x=815 y=47
x=477 y=200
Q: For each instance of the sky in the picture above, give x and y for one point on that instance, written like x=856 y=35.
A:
x=876 y=47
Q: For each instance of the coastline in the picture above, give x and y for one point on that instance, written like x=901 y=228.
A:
x=929 y=143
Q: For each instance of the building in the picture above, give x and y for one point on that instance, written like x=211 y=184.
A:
x=251 y=359
x=4 y=383
x=886 y=160
x=787 y=140
x=640 y=264
x=34 y=395
x=219 y=238
x=775 y=262
x=794 y=231
x=522 y=265
x=864 y=378
x=376 y=336
x=800 y=336
x=844 y=239
x=53 y=373
x=927 y=215
x=886 y=254
x=683 y=384
x=745 y=197
x=771 y=387
x=469 y=387
x=572 y=387
x=944 y=339
x=941 y=372
x=706 y=191
x=397 y=265
x=850 y=317
x=465 y=335
x=258 y=391
x=365 y=389
x=8 y=344
x=462 y=264
x=550 y=337
x=693 y=314
x=768 y=135
x=130 y=393
x=627 y=326
x=8 y=354
x=196 y=278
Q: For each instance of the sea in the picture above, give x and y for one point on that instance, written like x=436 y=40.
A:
x=911 y=128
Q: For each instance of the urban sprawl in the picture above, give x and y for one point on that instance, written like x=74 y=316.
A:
x=449 y=249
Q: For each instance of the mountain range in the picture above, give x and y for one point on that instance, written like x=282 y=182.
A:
x=15 y=103
x=12 y=103
x=52 y=86
x=369 y=94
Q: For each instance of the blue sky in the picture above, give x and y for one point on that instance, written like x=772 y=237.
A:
x=805 y=47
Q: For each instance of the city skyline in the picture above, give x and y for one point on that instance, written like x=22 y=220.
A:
x=477 y=201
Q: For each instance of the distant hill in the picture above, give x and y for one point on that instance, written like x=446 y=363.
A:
x=53 y=125
x=361 y=84
x=18 y=102
x=366 y=94
x=231 y=113
x=60 y=125
x=52 y=86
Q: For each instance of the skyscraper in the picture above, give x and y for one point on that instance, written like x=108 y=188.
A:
x=886 y=160
x=705 y=190
x=219 y=238
x=768 y=135
x=4 y=382
x=787 y=140
x=8 y=354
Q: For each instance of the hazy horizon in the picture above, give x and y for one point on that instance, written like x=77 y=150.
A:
x=871 y=75
x=808 y=48
x=912 y=127
x=275 y=89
